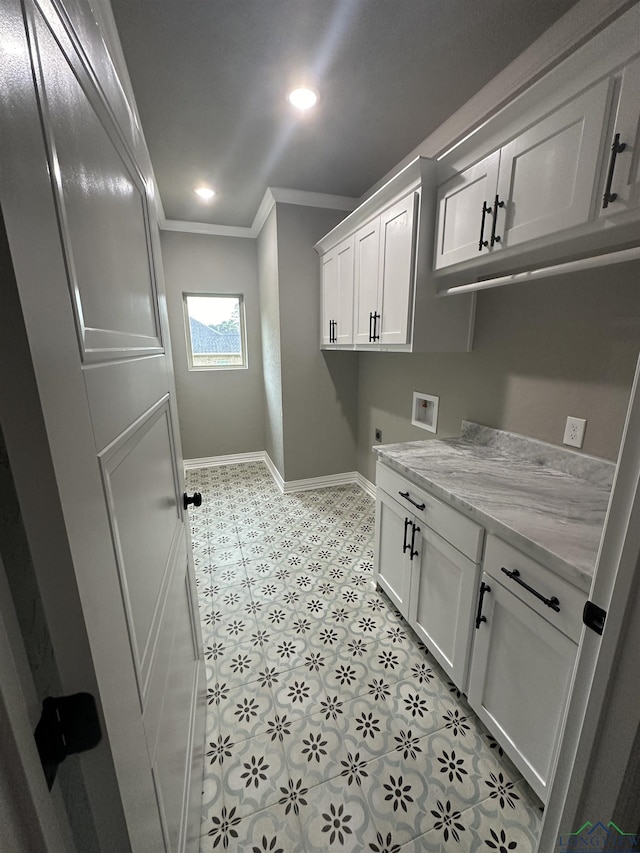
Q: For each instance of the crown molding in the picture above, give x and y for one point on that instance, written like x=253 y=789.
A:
x=205 y=228
x=272 y=196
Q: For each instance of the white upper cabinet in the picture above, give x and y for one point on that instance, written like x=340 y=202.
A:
x=367 y=252
x=395 y=303
x=546 y=176
x=540 y=183
x=622 y=177
x=464 y=212
x=337 y=294
x=396 y=270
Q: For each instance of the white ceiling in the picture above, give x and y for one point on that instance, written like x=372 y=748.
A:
x=210 y=79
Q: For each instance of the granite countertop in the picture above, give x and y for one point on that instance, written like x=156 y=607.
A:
x=546 y=501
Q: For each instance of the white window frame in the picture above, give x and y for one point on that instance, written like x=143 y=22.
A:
x=243 y=331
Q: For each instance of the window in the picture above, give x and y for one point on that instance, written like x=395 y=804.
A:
x=215 y=331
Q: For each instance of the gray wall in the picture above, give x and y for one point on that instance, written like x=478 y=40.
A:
x=319 y=390
x=270 y=324
x=220 y=411
x=564 y=346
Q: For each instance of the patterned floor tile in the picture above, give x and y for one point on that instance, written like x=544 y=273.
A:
x=328 y=723
x=315 y=751
x=336 y=817
x=271 y=830
x=253 y=774
x=510 y=822
x=242 y=712
x=298 y=693
x=242 y=665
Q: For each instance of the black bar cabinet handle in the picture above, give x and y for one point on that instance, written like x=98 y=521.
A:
x=552 y=602
x=495 y=238
x=616 y=149
x=479 y=617
x=405 y=495
x=376 y=317
x=415 y=530
x=482 y=243
x=370 y=325
x=405 y=546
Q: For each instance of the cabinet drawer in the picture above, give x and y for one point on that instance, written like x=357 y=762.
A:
x=499 y=555
x=456 y=528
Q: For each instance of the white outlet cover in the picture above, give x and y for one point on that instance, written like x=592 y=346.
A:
x=574 y=432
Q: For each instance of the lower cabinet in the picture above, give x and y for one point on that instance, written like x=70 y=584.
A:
x=524 y=652
x=392 y=559
x=508 y=639
x=441 y=603
x=430 y=580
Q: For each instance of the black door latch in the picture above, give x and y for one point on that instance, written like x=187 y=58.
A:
x=594 y=617
x=68 y=724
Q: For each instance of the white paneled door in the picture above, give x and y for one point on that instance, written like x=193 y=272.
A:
x=86 y=255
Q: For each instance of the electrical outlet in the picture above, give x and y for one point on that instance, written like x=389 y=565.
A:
x=574 y=432
x=378 y=435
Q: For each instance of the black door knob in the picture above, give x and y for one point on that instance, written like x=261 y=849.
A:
x=196 y=500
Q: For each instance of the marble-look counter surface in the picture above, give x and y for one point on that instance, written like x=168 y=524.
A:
x=547 y=501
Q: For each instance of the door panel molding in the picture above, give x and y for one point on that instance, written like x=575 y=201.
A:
x=96 y=343
x=110 y=460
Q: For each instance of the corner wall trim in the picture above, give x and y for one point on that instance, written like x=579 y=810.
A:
x=366 y=485
x=284 y=487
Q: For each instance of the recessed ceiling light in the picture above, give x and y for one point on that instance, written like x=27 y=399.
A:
x=302 y=98
x=205 y=193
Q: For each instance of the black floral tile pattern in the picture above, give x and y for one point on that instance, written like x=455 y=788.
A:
x=329 y=725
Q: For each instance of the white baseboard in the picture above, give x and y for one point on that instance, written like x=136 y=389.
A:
x=366 y=485
x=284 y=487
x=320 y=482
x=277 y=477
x=230 y=459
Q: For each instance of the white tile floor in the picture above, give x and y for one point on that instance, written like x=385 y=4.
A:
x=329 y=726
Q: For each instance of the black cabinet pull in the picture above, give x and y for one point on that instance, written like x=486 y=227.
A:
x=405 y=495
x=416 y=529
x=616 y=149
x=196 y=500
x=370 y=326
x=405 y=546
x=494 y=237
x=482 y=243
x=479 y=617
x=335 y=331
x=552 y=602
x=376 y=317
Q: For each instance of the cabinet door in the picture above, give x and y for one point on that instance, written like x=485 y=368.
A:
x=329 y=279
x=625 y=169
x=367 y=251
x=548 y=173
x=442 y=601
x=461 y=201
x=397 y=267
x=392 y=562
x=343 y=328
x=519 y=681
